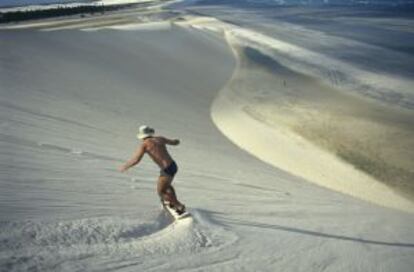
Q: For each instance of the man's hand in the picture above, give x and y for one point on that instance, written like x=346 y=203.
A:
x=122 y=168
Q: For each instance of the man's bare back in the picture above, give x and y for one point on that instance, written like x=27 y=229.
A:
x=156 y=148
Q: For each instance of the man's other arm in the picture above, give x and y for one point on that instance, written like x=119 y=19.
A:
x=136 y=158
x=171 y=142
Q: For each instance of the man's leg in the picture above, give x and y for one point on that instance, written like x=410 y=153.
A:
x=166 y=191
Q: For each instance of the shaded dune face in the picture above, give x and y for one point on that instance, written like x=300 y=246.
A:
x=339 y=140
x=373 y=137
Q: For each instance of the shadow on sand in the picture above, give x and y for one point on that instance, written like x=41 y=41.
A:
x=313 y=233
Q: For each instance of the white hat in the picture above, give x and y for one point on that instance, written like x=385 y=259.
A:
x=144 y=132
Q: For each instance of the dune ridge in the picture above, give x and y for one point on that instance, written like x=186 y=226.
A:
x=253 y=126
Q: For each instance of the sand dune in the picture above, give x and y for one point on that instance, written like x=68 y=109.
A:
x=307 y=127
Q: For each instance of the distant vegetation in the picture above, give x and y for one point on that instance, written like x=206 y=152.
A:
x=16 y=16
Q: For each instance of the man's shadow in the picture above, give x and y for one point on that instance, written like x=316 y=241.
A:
x=220 y=219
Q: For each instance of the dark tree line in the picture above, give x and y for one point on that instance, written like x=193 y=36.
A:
x=15 y=16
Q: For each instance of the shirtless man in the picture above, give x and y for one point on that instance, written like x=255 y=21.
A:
x=156 y=148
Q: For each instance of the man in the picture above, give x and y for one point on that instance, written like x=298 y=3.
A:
x=155 y=147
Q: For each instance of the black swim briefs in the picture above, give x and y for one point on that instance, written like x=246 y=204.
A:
x=170 y=171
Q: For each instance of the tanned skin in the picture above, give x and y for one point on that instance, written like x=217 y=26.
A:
x=155 y=147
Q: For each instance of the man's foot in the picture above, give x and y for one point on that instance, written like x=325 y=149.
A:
x=180 y=209
x=168 y=204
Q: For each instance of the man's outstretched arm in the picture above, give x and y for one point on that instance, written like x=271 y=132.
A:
x=136 y=158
